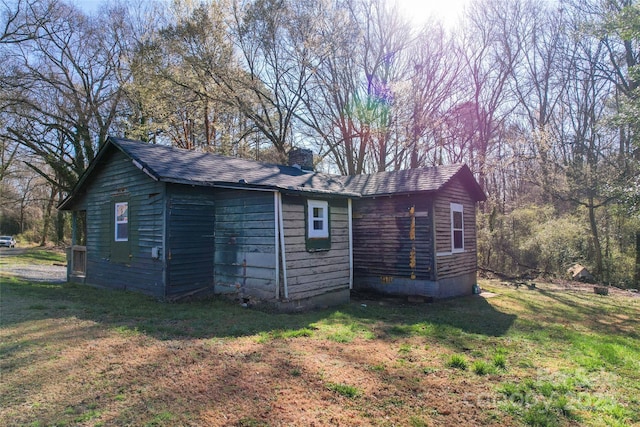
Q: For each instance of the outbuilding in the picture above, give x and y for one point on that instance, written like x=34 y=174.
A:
x=414 y=231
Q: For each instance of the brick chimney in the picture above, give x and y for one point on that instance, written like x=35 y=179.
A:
x=301 y=158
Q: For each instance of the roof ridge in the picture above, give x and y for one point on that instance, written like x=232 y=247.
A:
x=208 y=153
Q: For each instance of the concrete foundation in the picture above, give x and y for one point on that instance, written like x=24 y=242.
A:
x=402 y=286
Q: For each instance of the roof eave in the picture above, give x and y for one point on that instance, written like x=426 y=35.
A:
x=261 y=187
x=64 y=204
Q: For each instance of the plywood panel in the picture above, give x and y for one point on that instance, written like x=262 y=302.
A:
x=245 y=243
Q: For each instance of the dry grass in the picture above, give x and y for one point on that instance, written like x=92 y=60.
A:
x=73 y=355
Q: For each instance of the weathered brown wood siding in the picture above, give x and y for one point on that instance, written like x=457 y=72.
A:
x=450 y=264
x=190 y=239
x=383 y=242
x=245 y=244
x=117 y=179
x=312 y=274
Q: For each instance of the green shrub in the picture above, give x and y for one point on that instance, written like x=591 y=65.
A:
x=480 y=367
x=344 y=389
x=500 y=361
x=457 y=361
x=539 y=415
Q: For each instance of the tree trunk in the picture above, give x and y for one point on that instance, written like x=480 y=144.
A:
x=596 y=240
x=47 y=217
x=59 y=227
x=637 y=275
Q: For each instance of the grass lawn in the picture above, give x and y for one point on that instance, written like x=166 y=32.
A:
x=549 y=356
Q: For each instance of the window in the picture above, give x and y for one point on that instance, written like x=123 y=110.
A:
x=122 y=222
x=317 y=219
x=457 y=228
x=317 y=222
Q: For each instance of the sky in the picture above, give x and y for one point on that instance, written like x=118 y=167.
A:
x=89 y=6
x=418 y=11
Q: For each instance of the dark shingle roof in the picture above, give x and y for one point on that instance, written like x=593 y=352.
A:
x=169 y=164
x=177 y=165
x=412 y=180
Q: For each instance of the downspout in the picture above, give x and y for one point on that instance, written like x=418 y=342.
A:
x=284 y=257
x=350 y=216
x=276 y=212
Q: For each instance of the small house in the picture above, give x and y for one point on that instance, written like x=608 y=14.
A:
x=174 y=223
x=414 y=231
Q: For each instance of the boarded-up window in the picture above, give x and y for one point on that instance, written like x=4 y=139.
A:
x=457 y=228
x=122 y=222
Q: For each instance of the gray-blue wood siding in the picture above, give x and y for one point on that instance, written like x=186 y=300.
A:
x=118 y=179
x=245 y=244
x=190 y=239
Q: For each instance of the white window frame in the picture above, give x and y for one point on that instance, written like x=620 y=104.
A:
x=312 y=232
x=456 y=207
x=120 y=222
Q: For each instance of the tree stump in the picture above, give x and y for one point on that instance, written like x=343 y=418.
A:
x=601 y=290
x=637 y=275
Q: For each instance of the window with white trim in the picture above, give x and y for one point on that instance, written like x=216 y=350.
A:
x=317 y=219
x=122 y=222
x=457 y=228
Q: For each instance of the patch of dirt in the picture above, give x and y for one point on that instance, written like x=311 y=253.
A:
x=54 y=273
x=559 y=285
x=77 y=367
x=38 y=273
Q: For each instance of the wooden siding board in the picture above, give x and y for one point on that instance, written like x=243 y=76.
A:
x=315 y=273
x=118 y=178
x=381 y=237
x=456 y=264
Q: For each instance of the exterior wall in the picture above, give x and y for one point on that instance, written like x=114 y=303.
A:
x=245 y=244
x=456 y=272
x=311 y=275
x=393 y=245
x=134 y=268
x=190 y=239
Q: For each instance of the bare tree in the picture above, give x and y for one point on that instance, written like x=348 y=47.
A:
x=492 y=47
x=429 y=95
x=21 y=20
x=62 y=94
x=191 y=59
x=327 y=117
x=273 y=38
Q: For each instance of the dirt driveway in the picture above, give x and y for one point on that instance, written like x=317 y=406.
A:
x=33 y=272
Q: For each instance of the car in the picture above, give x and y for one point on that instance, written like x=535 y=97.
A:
x=7 y=241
